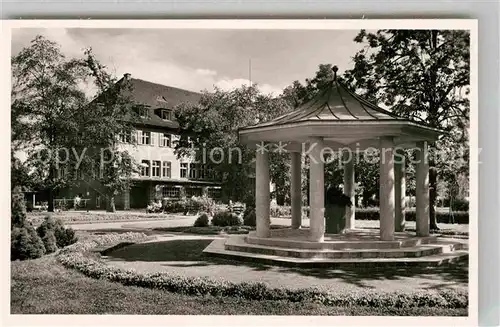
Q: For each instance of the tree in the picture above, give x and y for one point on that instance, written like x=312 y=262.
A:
x=69 y=135
x=46 y=97
x=101 y=123
x=209 y=131
x=419 y=74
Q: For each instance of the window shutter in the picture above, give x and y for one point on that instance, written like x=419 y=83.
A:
x=153 y=137
x=139 y=137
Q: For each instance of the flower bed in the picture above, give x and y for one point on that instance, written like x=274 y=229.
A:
x=97 y=217
x=75 y=257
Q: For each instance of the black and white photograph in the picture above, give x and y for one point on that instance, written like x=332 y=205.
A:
x=243 y=170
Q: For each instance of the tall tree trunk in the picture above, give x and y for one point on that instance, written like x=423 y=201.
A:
x=50 y=200
x=110 y=204
x=280 y=192
x=432 y=197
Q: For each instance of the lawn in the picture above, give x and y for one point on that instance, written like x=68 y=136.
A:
x=43 y=286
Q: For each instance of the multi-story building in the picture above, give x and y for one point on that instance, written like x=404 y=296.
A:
x=162 y=174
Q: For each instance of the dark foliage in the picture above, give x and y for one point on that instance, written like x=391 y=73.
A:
x=202 y=220
x=226 y=218
x=50 y=242
x=460 y=217
x=249 y=218
x=25 y=244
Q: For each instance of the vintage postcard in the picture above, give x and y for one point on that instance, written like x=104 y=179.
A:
x=278 y=172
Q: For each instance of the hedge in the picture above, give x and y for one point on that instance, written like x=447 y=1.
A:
x=74 y=257
x=460 y=217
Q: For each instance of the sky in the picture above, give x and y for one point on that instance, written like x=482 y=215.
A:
x=200 y=59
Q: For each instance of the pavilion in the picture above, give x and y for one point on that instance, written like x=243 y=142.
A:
x=337 y=119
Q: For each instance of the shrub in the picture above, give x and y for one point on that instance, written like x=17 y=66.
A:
x=200 y=203
x=26 y=244
x=64 y=236
x=175 y=206
x=18 y=208
x=459 y=217
x=225 y=218
x=50 y=242
x=202 y=220
x=154 y=207
x=460 y=205
x=249 y=218
x=280 y=211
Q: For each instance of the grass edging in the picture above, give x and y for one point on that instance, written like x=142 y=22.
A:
x=74 y=257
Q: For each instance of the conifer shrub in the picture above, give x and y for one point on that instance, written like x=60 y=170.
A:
x=226 y=218
x=26 y=244
x=64 y=236
x=202 y=220
x=50 y=242
x=249 y=218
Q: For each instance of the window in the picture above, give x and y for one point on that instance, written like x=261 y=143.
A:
x=80 y=174
x=166 y=114
x=214 y=193
x=145 y=166
x=167 y=169
x=125 y=137
x=184 y=169
x=175 y=139
x=193 y=191
x=170 y=192
x=192 y=170
x=210 y=173
x=165 y=140
x=156 y=168
x=202 y=171
x=144 y=137
x=142 y=111
x=62 y=172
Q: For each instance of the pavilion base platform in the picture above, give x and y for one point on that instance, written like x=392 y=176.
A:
x=353 y=249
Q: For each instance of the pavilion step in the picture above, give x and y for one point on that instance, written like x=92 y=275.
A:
x=238 y=244
x=217 y=249
x=344 y=244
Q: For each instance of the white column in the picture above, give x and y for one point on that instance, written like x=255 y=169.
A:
x=262 y=194
x=296 y=189
x=316 y=191
x=422 y=190
x=349 y=189
x=386 y=189
x=34 y=202
x=400 y=190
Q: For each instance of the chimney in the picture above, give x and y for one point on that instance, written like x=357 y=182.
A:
x=126 y=76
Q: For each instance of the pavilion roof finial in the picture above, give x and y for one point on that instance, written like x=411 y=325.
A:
x=335 y=69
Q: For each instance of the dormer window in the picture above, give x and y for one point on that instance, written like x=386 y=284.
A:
x=142 y=111
x=166 y=114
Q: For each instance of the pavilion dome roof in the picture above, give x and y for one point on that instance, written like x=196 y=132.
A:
x=341 y=118
x=335 y=102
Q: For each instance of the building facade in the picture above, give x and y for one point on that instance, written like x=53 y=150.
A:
x=162 y=175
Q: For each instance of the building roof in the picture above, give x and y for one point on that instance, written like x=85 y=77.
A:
x=155 y=96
